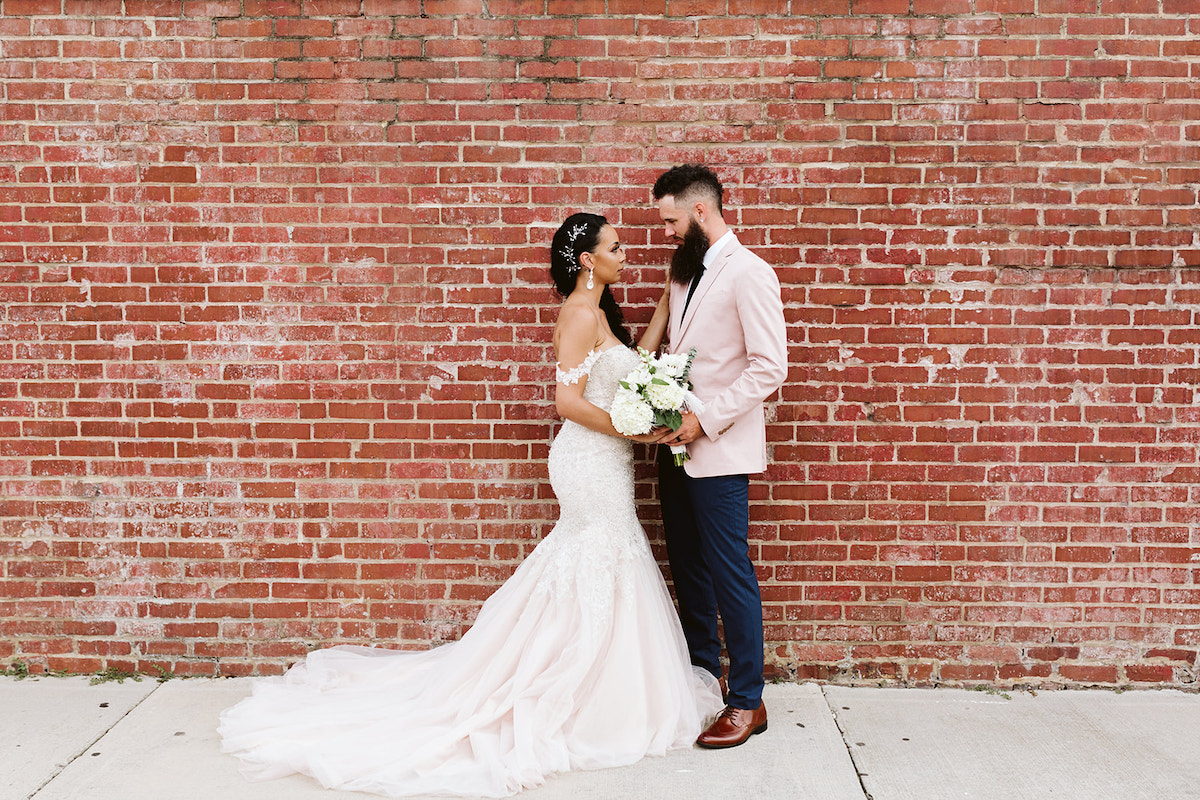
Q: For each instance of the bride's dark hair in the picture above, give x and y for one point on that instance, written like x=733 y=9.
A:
x=580 y=234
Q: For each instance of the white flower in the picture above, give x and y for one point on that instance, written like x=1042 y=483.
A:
x=673 y=364
x=639 y=378
x=667 y=397
x=630 y=414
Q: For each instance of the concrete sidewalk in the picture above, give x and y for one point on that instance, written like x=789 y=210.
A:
x=63 y=739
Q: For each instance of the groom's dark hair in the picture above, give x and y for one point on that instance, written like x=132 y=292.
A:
x=687 y=181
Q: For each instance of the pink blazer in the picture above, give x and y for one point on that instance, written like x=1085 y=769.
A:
x=735 y=322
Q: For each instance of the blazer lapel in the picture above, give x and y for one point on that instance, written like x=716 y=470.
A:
x=706 y=281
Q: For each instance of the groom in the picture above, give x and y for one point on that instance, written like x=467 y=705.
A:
x=725 y=302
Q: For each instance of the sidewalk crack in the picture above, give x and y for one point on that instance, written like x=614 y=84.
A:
x=849 y=750
x=32 y=795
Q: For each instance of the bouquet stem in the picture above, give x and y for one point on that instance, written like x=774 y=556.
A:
x=679 y=454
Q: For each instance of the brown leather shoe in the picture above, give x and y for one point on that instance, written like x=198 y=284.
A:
x=734 y=726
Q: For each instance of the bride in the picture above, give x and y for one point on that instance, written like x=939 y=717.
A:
x=576 y=662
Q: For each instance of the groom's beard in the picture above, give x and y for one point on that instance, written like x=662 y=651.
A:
x=688 y=260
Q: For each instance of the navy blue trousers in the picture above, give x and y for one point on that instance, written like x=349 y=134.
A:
x=706 y=522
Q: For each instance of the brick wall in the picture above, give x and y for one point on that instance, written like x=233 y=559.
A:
x=275 y=360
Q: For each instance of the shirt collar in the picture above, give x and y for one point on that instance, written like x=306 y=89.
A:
x=716 y=247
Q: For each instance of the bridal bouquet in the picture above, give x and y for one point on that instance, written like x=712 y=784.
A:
x=656 y=393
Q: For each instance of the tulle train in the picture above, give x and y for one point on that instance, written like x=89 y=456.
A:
x=540 y=684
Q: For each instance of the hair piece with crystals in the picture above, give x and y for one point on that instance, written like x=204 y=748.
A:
x=568 y=252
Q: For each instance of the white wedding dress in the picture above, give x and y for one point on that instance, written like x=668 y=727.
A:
x=576 y=662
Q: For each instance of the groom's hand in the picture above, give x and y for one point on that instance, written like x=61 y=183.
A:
x=688 y=432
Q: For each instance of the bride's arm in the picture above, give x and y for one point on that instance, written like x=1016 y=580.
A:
x=657 y=328
x=574 y=339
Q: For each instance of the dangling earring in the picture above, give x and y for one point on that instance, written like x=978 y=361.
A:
x=590 y=284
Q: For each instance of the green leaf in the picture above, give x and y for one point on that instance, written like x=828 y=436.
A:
x=672 y=419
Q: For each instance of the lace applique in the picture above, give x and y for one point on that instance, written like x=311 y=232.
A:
x=576 y=374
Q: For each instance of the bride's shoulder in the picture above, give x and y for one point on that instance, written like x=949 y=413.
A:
x=577 y=323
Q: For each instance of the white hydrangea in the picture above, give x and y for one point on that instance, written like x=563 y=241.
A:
x=630 y=414
x=668 y=396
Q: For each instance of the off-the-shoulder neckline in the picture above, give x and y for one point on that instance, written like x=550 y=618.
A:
x=573 y=374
